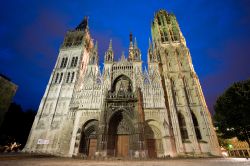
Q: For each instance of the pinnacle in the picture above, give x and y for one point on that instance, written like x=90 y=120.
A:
x=123 y=56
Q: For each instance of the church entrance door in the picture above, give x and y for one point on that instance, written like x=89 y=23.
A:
x=122 y=145
x=88 y=138
x=151 y=143
x=92 y=147
x=154 y=141
x=118 y=136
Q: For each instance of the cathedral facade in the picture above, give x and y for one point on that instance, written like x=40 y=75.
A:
x=123 y=110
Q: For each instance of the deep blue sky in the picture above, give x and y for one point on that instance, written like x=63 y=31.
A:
x=217 y=34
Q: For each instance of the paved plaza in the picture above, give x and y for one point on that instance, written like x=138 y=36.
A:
x=25 y=160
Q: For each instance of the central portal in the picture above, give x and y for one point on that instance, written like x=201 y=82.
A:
x=118 y=136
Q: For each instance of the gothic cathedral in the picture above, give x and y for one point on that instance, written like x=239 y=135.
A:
x=124 y=111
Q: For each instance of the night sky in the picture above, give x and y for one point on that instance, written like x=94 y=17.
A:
x=217 y=33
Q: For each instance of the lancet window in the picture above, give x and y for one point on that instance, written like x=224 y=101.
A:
x=183 y=127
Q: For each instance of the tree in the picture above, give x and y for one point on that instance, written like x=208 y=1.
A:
x=16 y=125
x=232 y=112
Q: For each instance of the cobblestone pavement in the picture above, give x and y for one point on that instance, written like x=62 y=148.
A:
x=22 y=160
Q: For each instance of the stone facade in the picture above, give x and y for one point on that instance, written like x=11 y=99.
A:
x=124 y=111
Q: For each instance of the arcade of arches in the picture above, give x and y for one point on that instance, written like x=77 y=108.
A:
x=121 y=139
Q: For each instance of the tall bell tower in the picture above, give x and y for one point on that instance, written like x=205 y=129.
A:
x=65 y=78
x=190 y=119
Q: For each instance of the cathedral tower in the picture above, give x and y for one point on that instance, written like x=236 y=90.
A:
x=189 y=116
x=66 y=76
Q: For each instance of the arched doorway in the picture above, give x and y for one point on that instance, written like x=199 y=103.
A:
x=88 y=142
x=153 y=140
x=118 y=135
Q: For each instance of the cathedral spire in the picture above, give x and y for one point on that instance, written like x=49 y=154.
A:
x=83 y=25
x=123 y=56
x=151 y=53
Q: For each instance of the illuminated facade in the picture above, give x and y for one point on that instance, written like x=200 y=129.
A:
x=124 y=111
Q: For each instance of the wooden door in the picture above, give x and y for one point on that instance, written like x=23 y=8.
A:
x=122 y=146
x=92 y=147
x=151 y=148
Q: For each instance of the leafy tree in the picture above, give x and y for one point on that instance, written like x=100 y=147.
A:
x=232 y=112
x=16 y=125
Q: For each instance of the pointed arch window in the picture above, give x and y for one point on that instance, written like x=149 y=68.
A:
x=57 y=75
x=196 y=126
x=72 y=62
x=162 y=36
x=75 y=63
x=67 y=79
x=159 y=20
x=72 y=76
x=61 y=76
x=175 y=32
x=62 y=63
x=171 y=35
x=183 y=127
x=165 y=35
x=65 y=62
